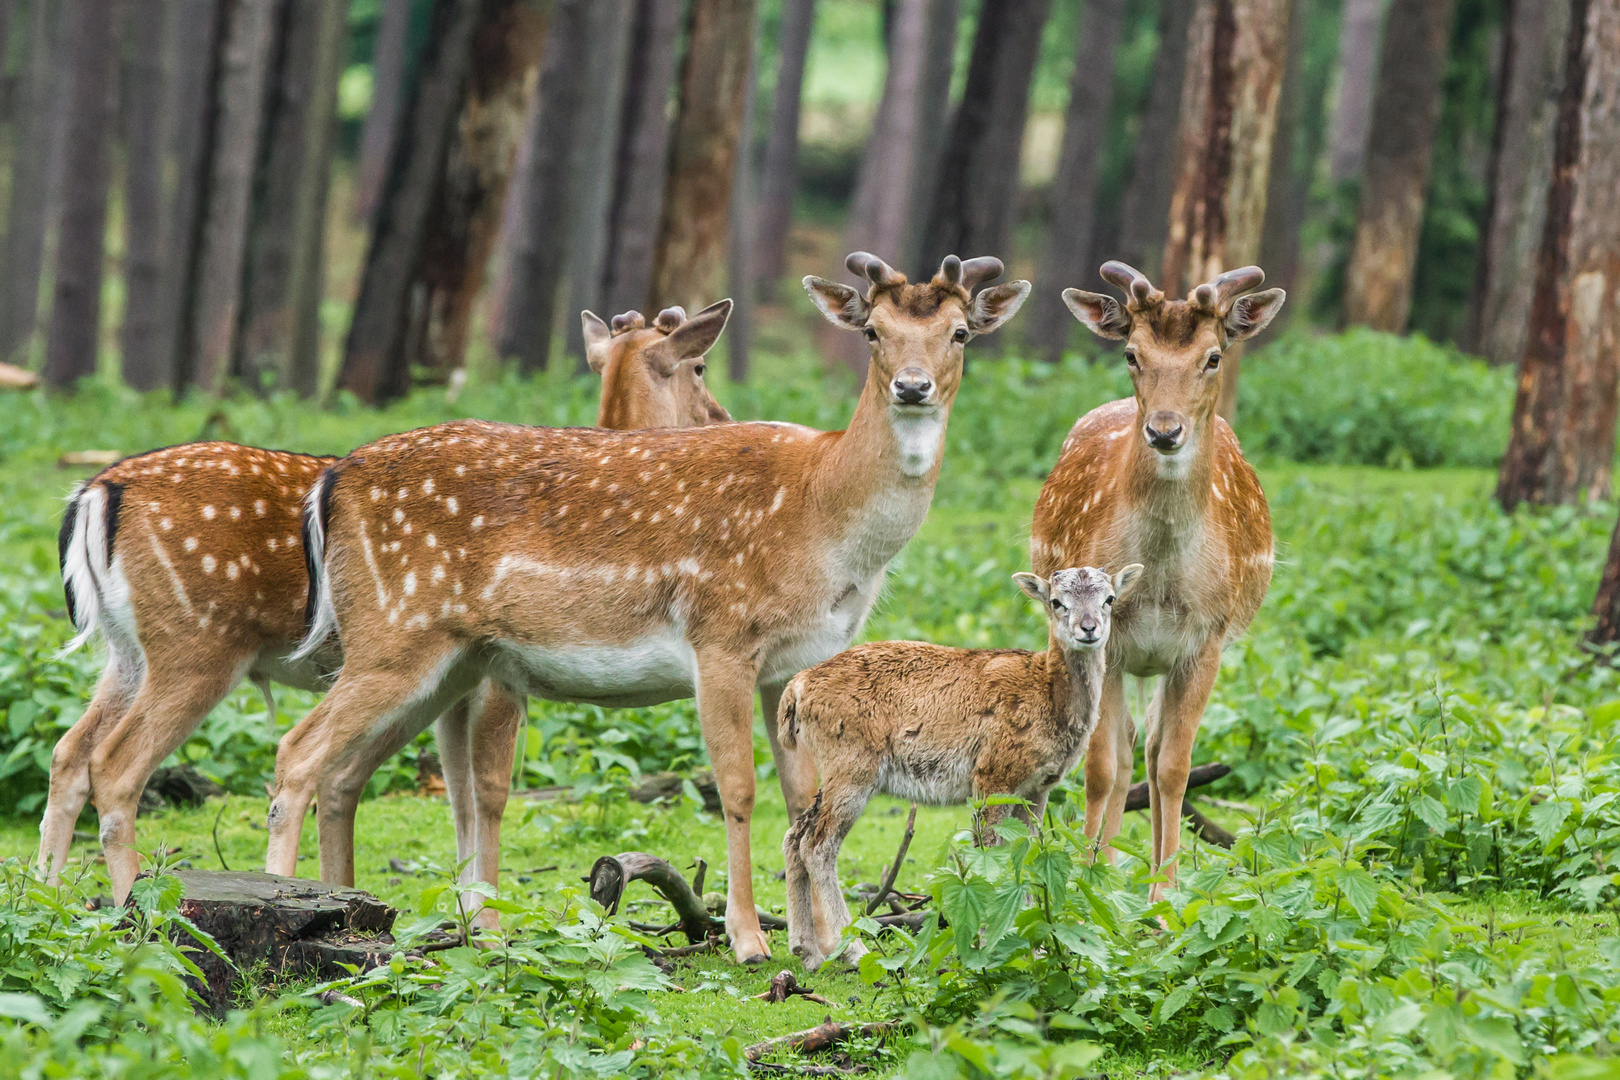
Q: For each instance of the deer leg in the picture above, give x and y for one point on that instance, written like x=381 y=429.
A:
x=452 y=733
x=498 y=718
x=801 y=917
x=841 y=806
x=1181 y=700
x=169 y=705
x=795 y=769
x=1110 y=753
x=70 y=770
x=725 y=700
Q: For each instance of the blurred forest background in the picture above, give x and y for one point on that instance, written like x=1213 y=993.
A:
x=213 y=195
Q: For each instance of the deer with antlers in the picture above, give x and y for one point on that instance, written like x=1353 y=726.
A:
x=189 y=561
x=1159 y=479
x=625 y=568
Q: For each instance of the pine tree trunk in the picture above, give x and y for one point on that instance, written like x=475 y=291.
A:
x=1395 y=175
x=1145 y=212
x=740 y=284
x=976 y=193
x=388 y=64
x=933 y=123
x=1235 y=59
x=146 y=364
x=249 y=41
x=780 y=172
x=637 y=200
x=1358 y=72
x=1533 y=44
x=691 y=249
x=307 y=278
x=1562 y=445
x=36 y=136
x=1074 y=197
x=374 y=364
x=81 y=244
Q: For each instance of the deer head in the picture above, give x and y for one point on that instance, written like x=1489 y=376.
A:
x=1079 y=603
x=917 y=332
x=652 y=376
x=1173 y=347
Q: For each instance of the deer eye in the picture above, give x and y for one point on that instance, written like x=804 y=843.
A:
x=871 y=334
x=960 y=336
x=700 y=369
x=1057 y=605
x=1213 y=363
x=1130 y=359
x=1108 y=601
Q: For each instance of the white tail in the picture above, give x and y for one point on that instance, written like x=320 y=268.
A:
x=321 y=615
x=84 y=561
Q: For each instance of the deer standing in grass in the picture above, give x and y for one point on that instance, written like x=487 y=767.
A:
x=626 y=569
x=1159 y=479
x=940 y=726
x=190 y=563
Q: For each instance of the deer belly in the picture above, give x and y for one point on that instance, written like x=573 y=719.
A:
x=932 y=779
x=646 y=671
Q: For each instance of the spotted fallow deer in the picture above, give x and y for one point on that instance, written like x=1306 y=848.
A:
x=190 y=563
x=1159 y=479
x=625 y=569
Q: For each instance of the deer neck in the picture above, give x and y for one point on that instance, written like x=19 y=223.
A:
x=1170 y=500
x=1077 y=679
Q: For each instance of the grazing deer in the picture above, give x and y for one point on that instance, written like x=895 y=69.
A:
x=939 y=726
x=1159 y=479
x=625 y=569
x=190 y=562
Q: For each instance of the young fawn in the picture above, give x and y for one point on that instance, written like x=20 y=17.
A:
x=940 y=726
x=189 y=562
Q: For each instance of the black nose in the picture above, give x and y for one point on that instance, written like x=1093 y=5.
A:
x=1163 y=440
x=1088 y=628
x=912 y=387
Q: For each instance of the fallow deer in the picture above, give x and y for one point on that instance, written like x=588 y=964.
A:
x=940 y=726
x=625 y=568
x=1159 y=479
x=189 y=561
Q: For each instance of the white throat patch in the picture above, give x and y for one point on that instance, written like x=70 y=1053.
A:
x=920 y=432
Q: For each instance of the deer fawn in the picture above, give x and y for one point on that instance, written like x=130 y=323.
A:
x=190 y=562
x=1159 y=479
x=625 y=568
x=939 y=726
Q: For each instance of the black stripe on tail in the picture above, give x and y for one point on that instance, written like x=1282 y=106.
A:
x=328 y=481
x=63 y=539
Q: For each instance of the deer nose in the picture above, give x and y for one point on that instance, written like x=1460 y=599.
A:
x=1164 y=431
x=912 y=386
x=1089 y=628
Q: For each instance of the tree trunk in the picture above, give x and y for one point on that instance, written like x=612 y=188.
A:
x=1288 y=187
x=8 y=11
x=35 y=138
x=1074 y=197
x=1562 y=445
x=81 y=244
x=1395 y=179
x=976 y=192
x=374 y=365
x=286 y=233
x=1533 y=45
x=1235 y=57
x=547 y=190
x=249 y=40
x=697 y=194
x=740 y=248
x=638 y=170
x=1358 y=70
x=388 y=63
x=1145 y=212
x=465 y=217
x=933 y=123
x=146 y=363
x=780 y=172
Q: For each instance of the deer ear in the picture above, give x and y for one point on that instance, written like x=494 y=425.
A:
x=995 y=305
x=842 y=305
x=1100 y=314
x=597 y=337
x=697 y=335
x=1126 y=578
x=1033 y=585
x=1253 y=313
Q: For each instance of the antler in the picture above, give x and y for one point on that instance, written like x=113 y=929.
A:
x=874 y=269
x=977 y=271
x=670 y=318
x=1217 y=295
x=630 y=320
x=1137 y=287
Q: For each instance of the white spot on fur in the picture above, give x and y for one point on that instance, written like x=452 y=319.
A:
x=208 y=564
x=410 y=583
x=208 y=513
x=191 y=543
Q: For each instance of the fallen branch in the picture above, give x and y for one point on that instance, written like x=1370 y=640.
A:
x=1207 y=830
x=784 y=986
x=1137 y=798
x=894 y=868
x=822 y=1037
x=612 y=873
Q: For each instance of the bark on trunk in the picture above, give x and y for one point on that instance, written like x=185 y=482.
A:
x=740 y=246
x=643 y=150
x=249 y=40
x=1395 y=175
x=8 y=11
x=374 y=366
x=976 y=193
x=286 y=233
x=81 y=243
x=147 y=365
x=1288 y=187
x=933 y=115
x=691 y=248
x=780 y=172
x=1533 y=45
x=1358 y=70
x=36 y=134
x=1074 y=198
x=1145 y=212
x=1562 y=446
x=1234 y=76
x=388 y=63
